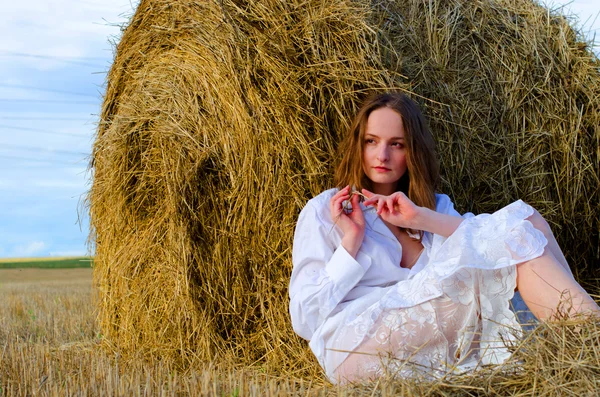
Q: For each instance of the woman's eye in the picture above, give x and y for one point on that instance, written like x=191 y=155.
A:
x=369 y=140
x=398 y=144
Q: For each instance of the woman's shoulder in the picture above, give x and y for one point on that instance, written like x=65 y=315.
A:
x=318 y=206
x=323 y=197
x=443 y=203
x=441 y=198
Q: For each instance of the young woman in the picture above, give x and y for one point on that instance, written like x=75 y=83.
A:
x=400 y=282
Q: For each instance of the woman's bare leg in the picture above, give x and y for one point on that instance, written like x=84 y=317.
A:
x=547 y=280
x=544 y=283
x=541 y=224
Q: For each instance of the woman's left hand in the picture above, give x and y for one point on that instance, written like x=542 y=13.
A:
x=396 y=209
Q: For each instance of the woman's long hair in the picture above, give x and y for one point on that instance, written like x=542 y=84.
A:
x=420 y=180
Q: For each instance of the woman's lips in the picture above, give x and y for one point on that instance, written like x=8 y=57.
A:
x=381 y=169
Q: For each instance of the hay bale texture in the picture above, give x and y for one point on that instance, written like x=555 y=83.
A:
x=221 y=119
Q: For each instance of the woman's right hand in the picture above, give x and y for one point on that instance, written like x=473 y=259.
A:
x=352 y=223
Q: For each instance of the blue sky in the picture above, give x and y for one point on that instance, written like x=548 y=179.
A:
x=54 y=55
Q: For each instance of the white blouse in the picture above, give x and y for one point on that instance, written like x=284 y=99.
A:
x=337 y=301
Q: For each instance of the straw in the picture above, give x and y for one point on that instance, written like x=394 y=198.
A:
x=222 y=118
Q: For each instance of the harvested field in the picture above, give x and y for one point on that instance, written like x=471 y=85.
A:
x=51 y=346
x=45 y=276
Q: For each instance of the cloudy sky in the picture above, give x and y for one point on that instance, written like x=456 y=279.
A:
x=54 y=55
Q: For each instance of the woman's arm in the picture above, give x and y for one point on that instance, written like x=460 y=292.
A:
x=352 y=223
x=435 y=222
x=324 y=271
x=399 y=210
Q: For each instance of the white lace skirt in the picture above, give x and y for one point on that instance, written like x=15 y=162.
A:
x=452 y=314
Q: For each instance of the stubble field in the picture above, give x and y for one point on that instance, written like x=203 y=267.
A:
x=50 y=345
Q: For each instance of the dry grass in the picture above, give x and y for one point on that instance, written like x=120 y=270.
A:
x=221 y=119
x=50 y=346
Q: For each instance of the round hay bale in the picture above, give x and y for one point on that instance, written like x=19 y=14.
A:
x=221 y=119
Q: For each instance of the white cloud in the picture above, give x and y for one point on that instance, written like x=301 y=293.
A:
x=60 y=28
x=31 y=249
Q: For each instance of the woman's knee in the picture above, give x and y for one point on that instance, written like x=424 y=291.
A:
x=538 y=221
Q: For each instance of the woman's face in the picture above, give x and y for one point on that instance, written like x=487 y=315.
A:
x=384 y=154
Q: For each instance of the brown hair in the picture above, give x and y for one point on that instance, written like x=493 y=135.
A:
x=420 y=180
